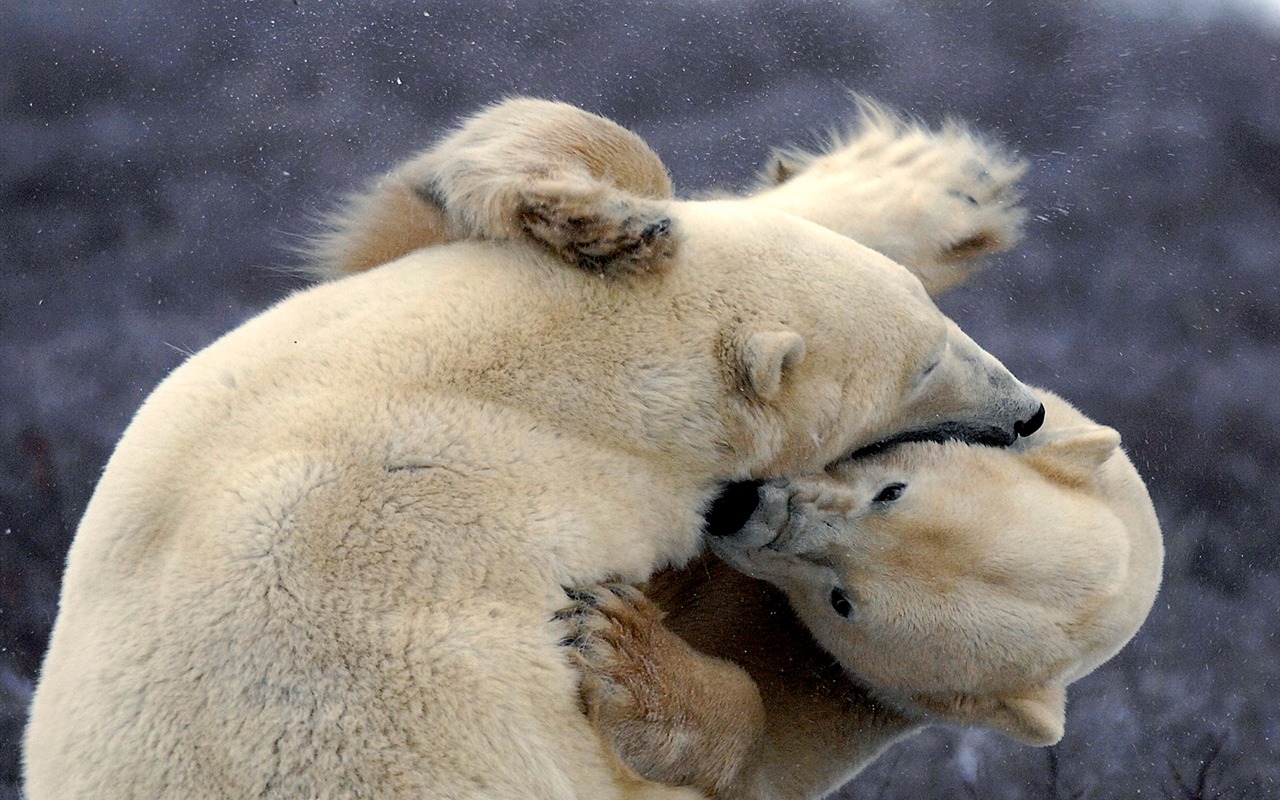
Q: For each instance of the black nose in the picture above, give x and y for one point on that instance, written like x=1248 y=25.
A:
x=1032 y=425
x=731 y=510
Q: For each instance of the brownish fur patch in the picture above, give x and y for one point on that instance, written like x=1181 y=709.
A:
x=979 y=244
x=596 y=227
x=673 y=715
x=391 y=222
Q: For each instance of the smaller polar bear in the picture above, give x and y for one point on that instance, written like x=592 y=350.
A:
x=595 y=194
x=939 y=582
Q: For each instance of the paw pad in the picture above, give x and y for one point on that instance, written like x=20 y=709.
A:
x=599 y=229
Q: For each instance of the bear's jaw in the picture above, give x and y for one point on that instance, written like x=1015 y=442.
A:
x=963 y=432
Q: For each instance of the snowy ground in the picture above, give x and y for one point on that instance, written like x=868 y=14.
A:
x=158 y=158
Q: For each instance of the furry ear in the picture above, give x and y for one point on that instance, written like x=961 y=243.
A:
x=1034 y=716
x=765 y=356
x=1037 y=717
x=1074 y=455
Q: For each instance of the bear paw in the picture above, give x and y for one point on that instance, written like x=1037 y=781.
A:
x=981 y=202
x=672 y=714
x=597 y=227
x=616 y=637
x=935 y=201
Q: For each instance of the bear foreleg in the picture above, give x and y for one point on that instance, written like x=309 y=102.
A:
x=672 y=714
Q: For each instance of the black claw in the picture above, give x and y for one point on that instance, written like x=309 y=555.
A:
x=592 y=263
x=655 y=229
x=579 y=596
x=566 y=614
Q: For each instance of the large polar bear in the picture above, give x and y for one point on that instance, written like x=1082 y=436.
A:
x=323 y=558
x=924 y=583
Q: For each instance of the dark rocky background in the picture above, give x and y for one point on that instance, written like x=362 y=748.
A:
x=158 y=158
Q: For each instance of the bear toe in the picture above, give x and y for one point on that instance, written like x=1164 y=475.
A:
x=597 y=228
x=614 y=636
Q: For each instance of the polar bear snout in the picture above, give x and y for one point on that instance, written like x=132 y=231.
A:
x=732 y=508
x=759 y=522
x=971 y=397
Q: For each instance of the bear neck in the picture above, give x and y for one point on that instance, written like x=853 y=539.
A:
x=624 y=365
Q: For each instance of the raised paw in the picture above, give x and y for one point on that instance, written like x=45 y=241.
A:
x=597 y=227
x=672 y=714
x=934 y=200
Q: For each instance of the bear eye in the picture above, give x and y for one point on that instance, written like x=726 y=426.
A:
x=889 y=493
x=840 y=602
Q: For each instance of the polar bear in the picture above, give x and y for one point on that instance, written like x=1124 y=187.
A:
x=595 y=194
x=322 y=559
x=928 y=582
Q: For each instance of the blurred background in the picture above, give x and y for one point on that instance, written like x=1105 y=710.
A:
x=159 y=158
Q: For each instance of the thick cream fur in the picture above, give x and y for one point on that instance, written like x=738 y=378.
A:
x=935 y=201
x=998 y=577
x=324 y=559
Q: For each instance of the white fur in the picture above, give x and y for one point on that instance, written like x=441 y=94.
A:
x=323 y=560
x=934 y=201
x=998 y=577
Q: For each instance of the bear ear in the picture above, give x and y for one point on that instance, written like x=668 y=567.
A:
x=1074 y=455
x=765 y=357
x=1037 y=717
x=1034 y=716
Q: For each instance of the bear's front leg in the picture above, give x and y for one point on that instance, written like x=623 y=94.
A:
x=672 y=714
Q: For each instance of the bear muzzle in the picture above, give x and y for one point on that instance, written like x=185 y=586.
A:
x=732 y=508
x=737 y=501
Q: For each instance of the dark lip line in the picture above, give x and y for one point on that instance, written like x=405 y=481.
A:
x=986 y=436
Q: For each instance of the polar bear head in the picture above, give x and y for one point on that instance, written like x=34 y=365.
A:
x=972 y=583
x=828 y=346
x=822 y=344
